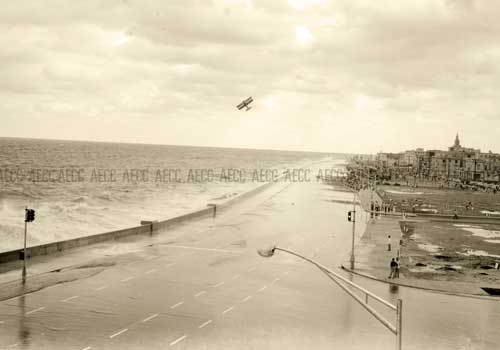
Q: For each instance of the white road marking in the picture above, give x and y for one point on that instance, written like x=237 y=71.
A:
x=247 y=298
x=70 y=298
x=118 y=333
x=150 y=318
x=178 y=304
x=150 y=271
x=218 y=284
x=128 y=279
x=150 y=258
x=251 y=269
x=101 y=288
x=33 y=311
x=236 y=276
x=178 y=340
x=205 y=249
x=14 y=345
x=1 y=322
x=227 y=310
x=88 y=348
x=263 y=288
x=205 y=324
x=200 y=293
x=275 y=280
x=287 y=272
x=169 y=265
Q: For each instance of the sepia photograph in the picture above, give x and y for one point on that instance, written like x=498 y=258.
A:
x=249 y=174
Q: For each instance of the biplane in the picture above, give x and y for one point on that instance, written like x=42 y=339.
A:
x=245 y=103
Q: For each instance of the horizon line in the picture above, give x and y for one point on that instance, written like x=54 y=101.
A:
x=178 y=145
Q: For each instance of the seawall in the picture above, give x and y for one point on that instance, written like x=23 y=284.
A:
x=146 y=227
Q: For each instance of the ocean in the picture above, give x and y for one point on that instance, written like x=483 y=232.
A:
x=79 y=188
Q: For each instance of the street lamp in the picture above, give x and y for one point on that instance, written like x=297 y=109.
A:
x=398 y=308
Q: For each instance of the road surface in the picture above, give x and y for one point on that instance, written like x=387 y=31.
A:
x=206 y=288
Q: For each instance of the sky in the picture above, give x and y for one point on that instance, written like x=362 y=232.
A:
x=325 y=75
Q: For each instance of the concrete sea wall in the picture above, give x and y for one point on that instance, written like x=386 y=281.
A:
x=146 y=227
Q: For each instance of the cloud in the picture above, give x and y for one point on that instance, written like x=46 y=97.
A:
x=322 y=73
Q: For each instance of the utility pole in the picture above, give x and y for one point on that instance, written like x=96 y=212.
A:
x=24 y=250
x=353 y=230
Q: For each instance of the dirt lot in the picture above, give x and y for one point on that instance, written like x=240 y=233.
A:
x=451 y=251
x=441 y=201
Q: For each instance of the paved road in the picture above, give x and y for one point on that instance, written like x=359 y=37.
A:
x=206 y=288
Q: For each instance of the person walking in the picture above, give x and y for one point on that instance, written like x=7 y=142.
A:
x=393 y=265
x=389 y=243
x=396 y=268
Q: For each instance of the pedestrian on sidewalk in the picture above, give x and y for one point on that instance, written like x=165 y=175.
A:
x=393 y=265
x=396 y=268
x=389 y=243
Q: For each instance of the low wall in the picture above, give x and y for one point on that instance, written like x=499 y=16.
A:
x=54 y=247
x=247 y=194
x=147 y=228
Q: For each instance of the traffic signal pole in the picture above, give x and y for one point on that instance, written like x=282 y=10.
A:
x=24 y=251
x=353 y=230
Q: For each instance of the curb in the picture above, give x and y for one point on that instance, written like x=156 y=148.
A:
x=465 y=295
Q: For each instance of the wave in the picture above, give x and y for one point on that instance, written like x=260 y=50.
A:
x=225 y=196
x=80 y=199
x=18 y=194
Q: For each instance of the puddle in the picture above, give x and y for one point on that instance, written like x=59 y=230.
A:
x=492 y=240
x=401 y=192
x=416 y=237
x=487 y=212
x=428 y=268
x=425 y=210
x=479 y=232
x=431 y=248
x=473 y=252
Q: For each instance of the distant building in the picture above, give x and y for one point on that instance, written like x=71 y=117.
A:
x=458 y=162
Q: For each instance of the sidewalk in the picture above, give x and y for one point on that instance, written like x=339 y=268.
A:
x=373 y=259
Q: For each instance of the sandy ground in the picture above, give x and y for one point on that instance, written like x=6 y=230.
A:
x=451 y=251
x=444 y=201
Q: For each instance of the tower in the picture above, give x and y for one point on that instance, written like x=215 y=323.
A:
x=457 y=140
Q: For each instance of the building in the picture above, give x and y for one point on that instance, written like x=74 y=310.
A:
x=457 y=163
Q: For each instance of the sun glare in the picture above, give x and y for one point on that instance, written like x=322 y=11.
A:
x=303 y=35
x=120 y=39
x=361 y=103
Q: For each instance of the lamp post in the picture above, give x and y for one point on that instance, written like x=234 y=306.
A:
x=398 y=308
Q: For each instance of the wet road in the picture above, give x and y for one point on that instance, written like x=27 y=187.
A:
x=208 y=289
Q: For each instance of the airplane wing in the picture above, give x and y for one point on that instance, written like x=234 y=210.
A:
x=245 y=103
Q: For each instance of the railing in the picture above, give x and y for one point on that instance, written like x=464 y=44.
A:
x=335 y=277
